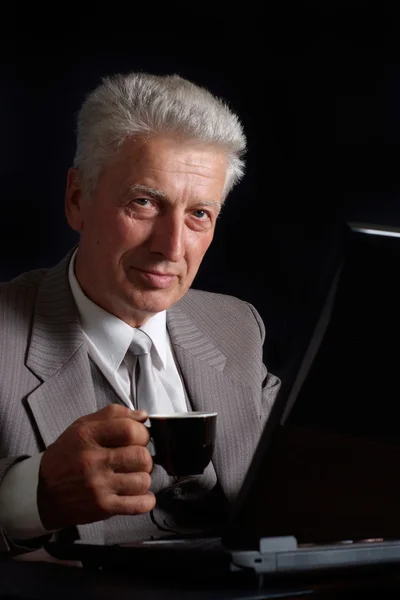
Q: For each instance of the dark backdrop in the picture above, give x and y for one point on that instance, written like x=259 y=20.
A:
x=317 y=89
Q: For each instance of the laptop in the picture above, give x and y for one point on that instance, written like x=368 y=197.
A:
x=323 y=488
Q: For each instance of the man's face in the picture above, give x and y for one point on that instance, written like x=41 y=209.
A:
x=147 y=226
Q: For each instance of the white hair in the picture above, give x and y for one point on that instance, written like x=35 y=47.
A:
x=140 y=104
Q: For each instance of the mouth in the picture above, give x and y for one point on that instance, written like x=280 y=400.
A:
x=156 y=279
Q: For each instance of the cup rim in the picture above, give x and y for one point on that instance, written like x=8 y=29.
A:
x=191 y=414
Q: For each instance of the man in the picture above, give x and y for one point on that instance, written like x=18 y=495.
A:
x=156 y=158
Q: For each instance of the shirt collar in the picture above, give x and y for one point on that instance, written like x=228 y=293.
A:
x=111 y=335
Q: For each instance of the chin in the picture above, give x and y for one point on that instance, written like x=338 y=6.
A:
x=151 y=303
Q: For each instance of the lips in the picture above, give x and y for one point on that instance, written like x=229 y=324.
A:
x=160 y=273
x=156 y=279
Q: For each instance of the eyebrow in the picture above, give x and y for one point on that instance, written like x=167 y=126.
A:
x=154 y=192
x=159 y=195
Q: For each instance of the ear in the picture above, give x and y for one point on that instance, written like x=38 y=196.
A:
x=74 y=198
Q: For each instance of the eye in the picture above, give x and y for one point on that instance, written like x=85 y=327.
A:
x=142 y=201
x=200 y=214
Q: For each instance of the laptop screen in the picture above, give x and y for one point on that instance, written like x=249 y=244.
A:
x=353 y=385
x=326 y=468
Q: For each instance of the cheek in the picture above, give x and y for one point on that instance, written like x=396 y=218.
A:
x=120 y=231
x=197 y=246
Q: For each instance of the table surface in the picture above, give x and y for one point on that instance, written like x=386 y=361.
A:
x=37 y=576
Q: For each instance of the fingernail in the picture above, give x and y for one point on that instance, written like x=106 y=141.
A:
x=141 y=413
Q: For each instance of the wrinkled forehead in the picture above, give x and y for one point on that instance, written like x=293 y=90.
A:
x=173 y=152
x=160 y=162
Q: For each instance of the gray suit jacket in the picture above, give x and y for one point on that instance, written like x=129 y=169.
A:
x=46 y=381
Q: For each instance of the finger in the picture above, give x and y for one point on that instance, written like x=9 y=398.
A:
x=114 y=411
x=130 y=484
x=116 y=432
x=132 y=505
x=128 y=459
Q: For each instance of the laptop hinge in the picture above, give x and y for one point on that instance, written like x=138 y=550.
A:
x=278 y=544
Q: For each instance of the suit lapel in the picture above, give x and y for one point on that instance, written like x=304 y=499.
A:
x=64 y=397
x=59 y=358
x=210 y=388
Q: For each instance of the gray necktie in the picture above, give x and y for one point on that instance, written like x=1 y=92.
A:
x=143 y=380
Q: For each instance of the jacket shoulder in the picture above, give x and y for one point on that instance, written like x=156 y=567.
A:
x=199 y=298
x=222 y=313
x=18 y=295
x=27 y=279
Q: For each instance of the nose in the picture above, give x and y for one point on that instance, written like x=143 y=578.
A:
x=168 y=237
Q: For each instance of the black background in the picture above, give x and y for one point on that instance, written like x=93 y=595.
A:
x=318 y=91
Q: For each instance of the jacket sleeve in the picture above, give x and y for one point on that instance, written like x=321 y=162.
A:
x=270 y=383
x=9 y=546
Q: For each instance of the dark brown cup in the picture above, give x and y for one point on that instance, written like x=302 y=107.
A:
x=183 y=442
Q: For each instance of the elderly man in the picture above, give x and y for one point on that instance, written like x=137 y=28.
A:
x=156 y=158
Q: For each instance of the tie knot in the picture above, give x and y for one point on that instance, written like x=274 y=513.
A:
x=141 y=343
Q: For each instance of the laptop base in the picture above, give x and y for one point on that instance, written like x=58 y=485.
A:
x=276 y=557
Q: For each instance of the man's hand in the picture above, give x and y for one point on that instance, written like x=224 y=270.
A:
x=99 y=467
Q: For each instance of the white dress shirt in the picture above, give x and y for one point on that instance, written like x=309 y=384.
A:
x=108 y=339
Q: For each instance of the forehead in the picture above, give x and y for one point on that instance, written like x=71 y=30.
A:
x=168 y=159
